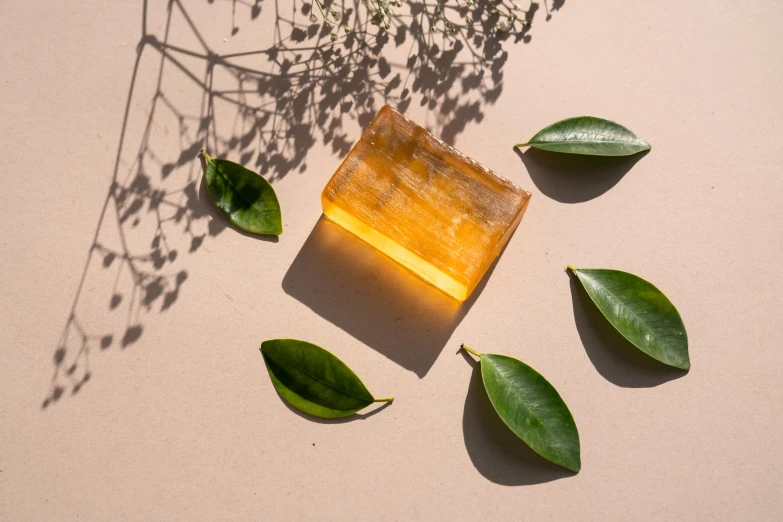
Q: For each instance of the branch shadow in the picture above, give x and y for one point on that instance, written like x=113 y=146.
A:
x=374 y=299
x=615 y=358
x=496 y=452
x=332 y=67
x=573 y=178
x=318 y=83
x=146 y=223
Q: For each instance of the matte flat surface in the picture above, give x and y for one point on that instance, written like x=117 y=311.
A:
x=178 y=419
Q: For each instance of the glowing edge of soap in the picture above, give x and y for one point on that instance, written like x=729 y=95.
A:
x=396 y=252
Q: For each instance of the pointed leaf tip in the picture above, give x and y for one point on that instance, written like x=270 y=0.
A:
x=531 y=407
x=313 y=380
x=244 y=197
x=640 y=312
x=589 y=135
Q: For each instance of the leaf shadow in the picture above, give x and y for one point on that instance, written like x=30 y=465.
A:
x=615 y=358
x=573 y=178
x=496 y=452
x=218 y=220
x=374 y=299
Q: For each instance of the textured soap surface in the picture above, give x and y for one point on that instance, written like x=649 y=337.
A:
x=423 y=203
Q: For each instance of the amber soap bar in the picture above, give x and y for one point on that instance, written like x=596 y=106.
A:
x=424 y=204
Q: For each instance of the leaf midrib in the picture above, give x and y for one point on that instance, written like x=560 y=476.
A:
x=292 y=363
x=507 y=383
x=582 y=142
x=250 y=203
x=624 y=307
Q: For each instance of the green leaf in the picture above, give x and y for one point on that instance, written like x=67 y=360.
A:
x=246 y=198
x=531 y=407
x=313 y=380
x=640 y=312
x=588 y=135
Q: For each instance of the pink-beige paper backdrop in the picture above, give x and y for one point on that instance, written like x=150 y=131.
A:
x=177 y=419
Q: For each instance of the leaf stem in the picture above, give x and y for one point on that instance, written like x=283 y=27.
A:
x=571 y=267
x=385 y=399
x=522 y=144
x=206 y=156
x=470 y=350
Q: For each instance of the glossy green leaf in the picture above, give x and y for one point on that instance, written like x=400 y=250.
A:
x=246 y=198
x=640 y=312
x=588 y=135
x=313 y=380
x=531 y=407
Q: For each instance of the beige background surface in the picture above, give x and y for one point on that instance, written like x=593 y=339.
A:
x=152 y=401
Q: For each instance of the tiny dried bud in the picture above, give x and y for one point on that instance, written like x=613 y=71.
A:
x=333 y=36
x=313 y=18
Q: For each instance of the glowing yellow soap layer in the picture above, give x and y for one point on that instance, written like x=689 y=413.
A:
x=423 y=203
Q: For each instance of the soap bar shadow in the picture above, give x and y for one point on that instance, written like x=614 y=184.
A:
x=374 y=299
x=496 y=452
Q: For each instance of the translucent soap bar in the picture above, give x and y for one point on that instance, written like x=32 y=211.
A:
x=423 y=203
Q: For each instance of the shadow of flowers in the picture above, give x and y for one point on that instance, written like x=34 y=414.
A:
x=323 y=73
